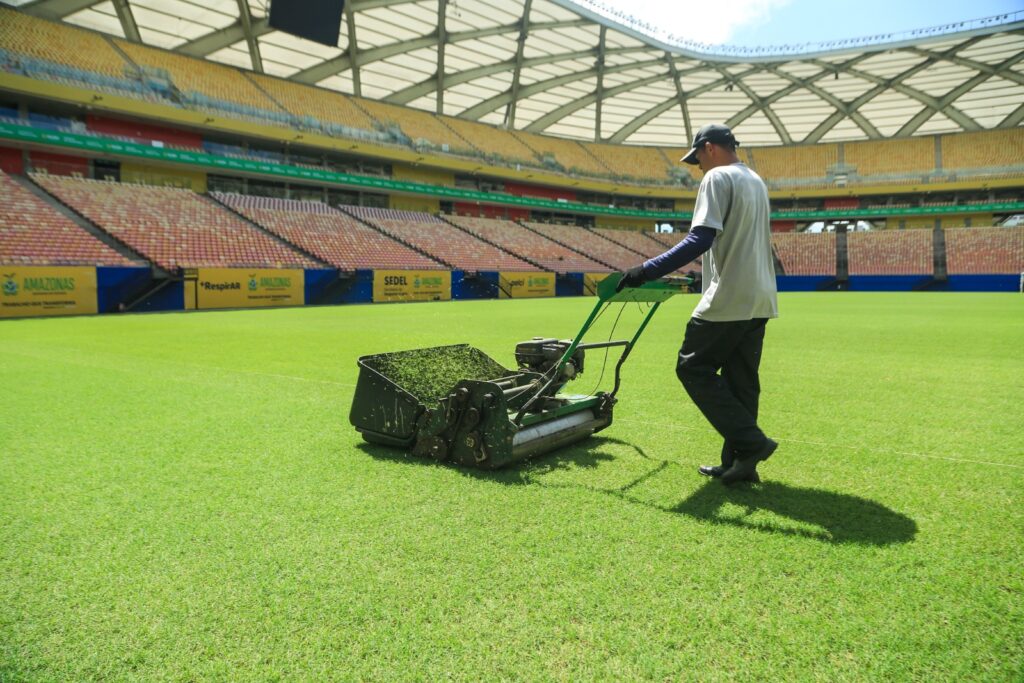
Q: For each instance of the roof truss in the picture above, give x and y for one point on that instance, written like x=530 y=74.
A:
x=621 y=62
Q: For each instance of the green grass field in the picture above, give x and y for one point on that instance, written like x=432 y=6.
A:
x=183 y=498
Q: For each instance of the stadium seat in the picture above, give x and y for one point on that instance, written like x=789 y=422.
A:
x=636 y=163
x=492 y=140
x=216 y=82
x=569 y=155
x=985 y=250
x=418 y=126
x=327 y=233
x=172 y=227
x=890 y=252
x=516 y=239
x=967 y=154
x=613 y=255
x=324 y=105
x=33 y=233
x=806 y=253
x=891 y=158
x=24 y=34
x=440 y=240
x=806 y=162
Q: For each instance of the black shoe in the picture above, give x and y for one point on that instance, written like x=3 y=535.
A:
x=717 y=471
x=743 y=468
x=712 y=470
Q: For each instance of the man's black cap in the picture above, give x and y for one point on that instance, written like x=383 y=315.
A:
x=713 y=132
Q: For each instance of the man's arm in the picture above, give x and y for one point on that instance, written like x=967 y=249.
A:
x=696 y=243
x=707 y=217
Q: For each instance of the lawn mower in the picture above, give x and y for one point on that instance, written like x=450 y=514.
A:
x=455 y=403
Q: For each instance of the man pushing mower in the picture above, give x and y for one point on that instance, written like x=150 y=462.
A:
x=721 y=352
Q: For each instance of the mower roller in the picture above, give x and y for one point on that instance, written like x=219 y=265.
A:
x=455 y=403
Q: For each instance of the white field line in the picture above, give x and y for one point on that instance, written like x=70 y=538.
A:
x=885 y=451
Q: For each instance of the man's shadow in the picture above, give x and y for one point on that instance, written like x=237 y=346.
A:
x=826 y=516
x=835 y=517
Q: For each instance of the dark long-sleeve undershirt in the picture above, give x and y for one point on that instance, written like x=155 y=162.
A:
x=696 y=243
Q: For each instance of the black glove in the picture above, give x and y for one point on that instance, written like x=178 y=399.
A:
x=634 y=277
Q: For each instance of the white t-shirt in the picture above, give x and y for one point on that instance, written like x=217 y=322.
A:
x=738 y=271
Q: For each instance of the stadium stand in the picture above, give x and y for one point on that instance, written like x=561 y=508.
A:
x=690 y=174
x=891 y=158
x=669 y=239
x=642 y=244
x=596 y=247
x=330 y=235
x=516 y=239
x=890 y=252
x=639 y=163
x=419 y=126
x=633 y=240
x=32 y=233
x=172 y=227
x=305 y=102
x=58 y=43
x=206 y=84
x=439 y=239
x=806 y=253
x=491 y=140
x=965 y=152
x=787 y=163
x=985 y=250
x=568 y=155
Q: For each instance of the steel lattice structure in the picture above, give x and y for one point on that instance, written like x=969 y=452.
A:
x=578 y=71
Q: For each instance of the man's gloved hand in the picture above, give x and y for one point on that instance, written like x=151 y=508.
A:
x=634 y=277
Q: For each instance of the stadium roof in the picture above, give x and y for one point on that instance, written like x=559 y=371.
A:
x=583 y=71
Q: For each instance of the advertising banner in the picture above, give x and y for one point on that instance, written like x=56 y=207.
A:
x=590 y=282
x=525 y=285
x=412 y=285
x=247 y=287
x=47 y=290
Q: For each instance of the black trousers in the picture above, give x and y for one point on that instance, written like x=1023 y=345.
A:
x=718 y=366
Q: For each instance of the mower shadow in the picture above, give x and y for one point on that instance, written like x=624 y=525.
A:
x=836 y=518
x=581 y=455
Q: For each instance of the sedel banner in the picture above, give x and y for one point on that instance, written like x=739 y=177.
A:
x=247 y=287
x=412 y=285
x=525 y=285
x=47 y=290
x=591 y=281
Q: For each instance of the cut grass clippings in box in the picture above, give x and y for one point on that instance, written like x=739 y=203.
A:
x=429 y=374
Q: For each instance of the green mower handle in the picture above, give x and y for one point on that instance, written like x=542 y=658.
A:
x=654 y=292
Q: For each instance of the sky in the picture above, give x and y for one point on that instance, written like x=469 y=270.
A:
x=787 y=22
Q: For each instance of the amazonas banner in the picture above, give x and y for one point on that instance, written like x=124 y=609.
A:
x=412 y=285
x=525 y=285
x=249 y=287
x=45 y=290
x=591 y=281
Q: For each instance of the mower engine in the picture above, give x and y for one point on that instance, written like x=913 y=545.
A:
x=541 y=354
